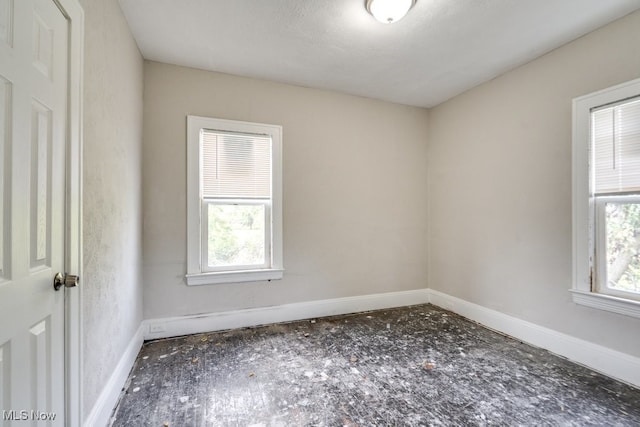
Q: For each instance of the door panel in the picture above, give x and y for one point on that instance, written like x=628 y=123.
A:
x=6 y=19
x=40 y=178
x=33 y=129
x=5 y=167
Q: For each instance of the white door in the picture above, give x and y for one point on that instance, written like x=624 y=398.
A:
x=33 y=134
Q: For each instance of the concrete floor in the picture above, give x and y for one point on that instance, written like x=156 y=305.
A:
x=413 y=366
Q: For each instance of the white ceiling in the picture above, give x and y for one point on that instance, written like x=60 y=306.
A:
x=440 y=49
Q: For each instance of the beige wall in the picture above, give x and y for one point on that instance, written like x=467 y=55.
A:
x=111 y=282
x=355 y=205
x=500 y=187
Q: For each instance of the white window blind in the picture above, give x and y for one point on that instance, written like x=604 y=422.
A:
x=235 y=165
x=616 y=148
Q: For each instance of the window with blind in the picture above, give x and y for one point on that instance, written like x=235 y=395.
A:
x=234 y=205
x=606 y=199
x=616 y=190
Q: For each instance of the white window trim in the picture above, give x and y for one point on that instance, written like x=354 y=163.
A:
x=195 y=274
x=583 y=238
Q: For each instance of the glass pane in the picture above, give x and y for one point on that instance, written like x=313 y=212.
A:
x=623 y=246
x=236 y=235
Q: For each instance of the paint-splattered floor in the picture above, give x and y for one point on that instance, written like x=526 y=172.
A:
x=413 y=366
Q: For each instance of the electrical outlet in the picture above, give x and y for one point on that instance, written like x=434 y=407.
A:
x=154 y=329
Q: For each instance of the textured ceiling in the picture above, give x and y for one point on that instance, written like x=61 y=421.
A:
x=440 y=49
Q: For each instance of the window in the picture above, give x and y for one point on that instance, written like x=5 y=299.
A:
x=606 y=199
x=234 y=206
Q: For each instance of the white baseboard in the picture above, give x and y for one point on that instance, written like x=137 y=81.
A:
x=615 y=364
x=184 y=325
x=100 y=414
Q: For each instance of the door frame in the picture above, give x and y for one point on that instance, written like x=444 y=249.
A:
x=74 y=13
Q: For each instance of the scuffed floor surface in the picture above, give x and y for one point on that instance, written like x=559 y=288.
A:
x=414 y=366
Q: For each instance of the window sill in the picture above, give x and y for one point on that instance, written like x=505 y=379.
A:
x=212 y=278
x=606 y=302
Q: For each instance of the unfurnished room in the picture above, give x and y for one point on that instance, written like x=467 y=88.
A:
x=319 y=213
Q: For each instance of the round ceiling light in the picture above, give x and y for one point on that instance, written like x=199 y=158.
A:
x=388 y=11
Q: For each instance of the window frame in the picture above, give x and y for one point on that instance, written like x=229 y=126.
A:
x=204 y=238
x=197 y=271
x=585 y=290
x=601 y=271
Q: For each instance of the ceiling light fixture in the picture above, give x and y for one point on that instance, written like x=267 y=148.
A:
x=388 y=11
